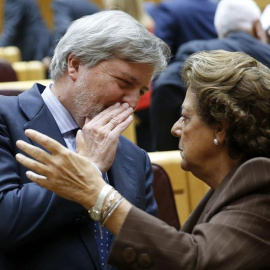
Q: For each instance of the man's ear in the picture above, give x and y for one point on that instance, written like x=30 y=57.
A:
x=220 y=132
x=259 y=32
x=73 y=66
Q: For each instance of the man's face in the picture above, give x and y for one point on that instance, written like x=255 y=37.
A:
x=108 y=82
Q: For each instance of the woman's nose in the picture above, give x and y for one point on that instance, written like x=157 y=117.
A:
x=177 y=128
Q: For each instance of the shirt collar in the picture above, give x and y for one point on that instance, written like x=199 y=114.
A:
x=62 y=117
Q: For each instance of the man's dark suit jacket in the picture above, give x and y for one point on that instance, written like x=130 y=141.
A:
x=169 y=92
x=229 y=229
x=24 y=27
x=39 y=230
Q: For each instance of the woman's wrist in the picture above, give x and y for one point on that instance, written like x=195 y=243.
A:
x=114 y=207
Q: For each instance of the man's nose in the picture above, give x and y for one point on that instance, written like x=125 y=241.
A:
x=177 y=128
x=132 y=98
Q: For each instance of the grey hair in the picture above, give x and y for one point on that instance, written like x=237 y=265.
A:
x=235 y=15
x=106 y=35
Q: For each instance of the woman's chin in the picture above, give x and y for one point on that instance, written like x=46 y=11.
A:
x=184 y=164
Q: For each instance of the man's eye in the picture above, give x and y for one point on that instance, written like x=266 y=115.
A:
x=142 y=92
x=123 y=83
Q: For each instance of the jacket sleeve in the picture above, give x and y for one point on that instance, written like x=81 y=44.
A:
x=232 y=236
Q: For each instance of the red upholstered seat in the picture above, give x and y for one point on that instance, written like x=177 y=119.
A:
x=7 y=73
x=164 y=196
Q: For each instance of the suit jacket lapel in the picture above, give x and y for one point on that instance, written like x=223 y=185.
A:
x=122 y=175
x=40 y=118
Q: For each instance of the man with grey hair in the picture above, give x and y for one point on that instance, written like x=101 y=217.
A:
x=100 y=68
x=239 y=29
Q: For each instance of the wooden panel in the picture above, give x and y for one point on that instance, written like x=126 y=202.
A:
x=29 y=70
x=196 y=189
x=10 y=53
x=23 y=85
x=170 y=161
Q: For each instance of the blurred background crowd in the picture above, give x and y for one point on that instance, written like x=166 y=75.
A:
x=30 y=29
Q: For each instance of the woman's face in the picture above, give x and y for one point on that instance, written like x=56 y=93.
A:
x=196 y=145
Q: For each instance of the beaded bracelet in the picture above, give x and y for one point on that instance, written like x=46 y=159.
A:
x=110 y=198
x=111 y=210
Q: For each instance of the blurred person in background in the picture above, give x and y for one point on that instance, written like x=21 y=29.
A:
x=25 y=28
x=135 y=8
x=64 y=13
x=179 y=21
x=67 y=11
x=239 y=29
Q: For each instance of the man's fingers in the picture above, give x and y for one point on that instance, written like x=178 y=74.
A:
x=110 y=113
x=119 y=119
x=123 y=125
x=80 y=144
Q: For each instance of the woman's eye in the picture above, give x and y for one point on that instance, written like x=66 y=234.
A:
x=183 y=118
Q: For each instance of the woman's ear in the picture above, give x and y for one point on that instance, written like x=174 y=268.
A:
x=73 y=67
x=220 y=132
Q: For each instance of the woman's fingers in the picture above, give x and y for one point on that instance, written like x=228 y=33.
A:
x=48 y=143
x=32 y=164
x=36 y=152
x=40 y=162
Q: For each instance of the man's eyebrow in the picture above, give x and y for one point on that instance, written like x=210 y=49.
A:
x=123 y=73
